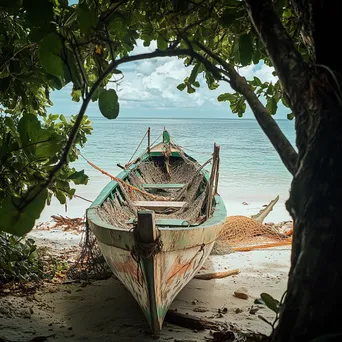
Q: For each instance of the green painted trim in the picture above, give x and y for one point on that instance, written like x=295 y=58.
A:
x=159 y=154
x=163 y=186
x=148 y=269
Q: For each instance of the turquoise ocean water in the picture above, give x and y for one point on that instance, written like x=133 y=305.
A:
x=251 y=170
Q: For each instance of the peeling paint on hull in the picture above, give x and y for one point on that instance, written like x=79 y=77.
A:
x=155 y=282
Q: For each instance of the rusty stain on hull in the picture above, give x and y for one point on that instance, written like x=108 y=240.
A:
x=172 y=270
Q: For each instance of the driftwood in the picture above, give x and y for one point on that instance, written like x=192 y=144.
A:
x=191 y=322
x=67 y=223
x=217 y=275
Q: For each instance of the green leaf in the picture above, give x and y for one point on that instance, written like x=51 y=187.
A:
x=270 y=302
x=194 y=73
x=18 y=219
x=71 y=70
x=52 y=63
x=60 y=196
x=48 y=149
x=52 y=43
x=86 y=18
x=28 y=127
x=49 y=54
x=96 y=94
x=162 y=44
x=228 y=17
x=257 y=82
x=246 y=49
x=76 y=95
x=181 y=86
x=190 y=89
x=33 y=256
x=79 y=177
x=196 y=84
x=226 y=97
x=290 y=116
x=271 y=105
x=108 y=104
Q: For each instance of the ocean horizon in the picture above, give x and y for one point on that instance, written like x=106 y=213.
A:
x=251 y=172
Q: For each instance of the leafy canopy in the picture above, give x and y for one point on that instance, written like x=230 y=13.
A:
x=83 y=44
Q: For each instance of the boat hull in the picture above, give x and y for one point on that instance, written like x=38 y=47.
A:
x=155 y=281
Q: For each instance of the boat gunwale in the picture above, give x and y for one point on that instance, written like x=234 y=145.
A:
x=219 y=214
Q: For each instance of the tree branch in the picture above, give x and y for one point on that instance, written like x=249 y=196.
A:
x=114 y=64
x=287 y=61
x=279 y=141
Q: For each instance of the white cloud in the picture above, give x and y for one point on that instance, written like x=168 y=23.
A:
x=153 y=83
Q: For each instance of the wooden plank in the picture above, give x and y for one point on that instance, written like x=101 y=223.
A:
x=192 y=322
x=217 y=275
x=146 y=229
x=158 y=204
x=162 y=186
x=169 y=222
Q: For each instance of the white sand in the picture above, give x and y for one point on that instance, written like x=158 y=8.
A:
x=106 y=311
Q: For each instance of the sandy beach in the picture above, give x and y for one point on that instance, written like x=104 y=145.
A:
x=105 y=311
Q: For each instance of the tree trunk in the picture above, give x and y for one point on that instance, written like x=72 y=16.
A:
x=313 y=302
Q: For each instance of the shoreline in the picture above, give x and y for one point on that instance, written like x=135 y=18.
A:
x=77 y=208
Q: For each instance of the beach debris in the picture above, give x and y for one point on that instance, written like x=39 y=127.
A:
x=222 y=311
x=241 y=293
x=217 y=275
x=245 y=203
x=238 y=310
x=259 y=301
x=253 y=310
x=41 y=338
x=192 y=322
x=194 y=302
x=227 y=336
x=200 y=309
x=67 y=223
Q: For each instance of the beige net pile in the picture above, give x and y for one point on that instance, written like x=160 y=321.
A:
x=244 y=233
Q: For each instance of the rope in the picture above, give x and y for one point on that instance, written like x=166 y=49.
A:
x=84 y=199
x=119 y=180
x=269 y=245
x=144 y=250
x=138 y=147
x=156 y=139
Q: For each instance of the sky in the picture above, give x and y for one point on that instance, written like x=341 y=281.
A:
x=149 y=89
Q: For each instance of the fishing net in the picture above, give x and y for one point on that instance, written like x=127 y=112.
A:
x=90 y=264
x=245 y=233
x=120 y=210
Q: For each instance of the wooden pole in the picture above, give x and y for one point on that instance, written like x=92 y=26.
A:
x=217 y=170
x=146 y=228
x=149 y=140
x=213 y=177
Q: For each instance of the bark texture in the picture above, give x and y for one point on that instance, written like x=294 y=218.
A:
x=313 y=303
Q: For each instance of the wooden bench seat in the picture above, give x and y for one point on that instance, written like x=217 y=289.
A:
x=168 y=222
x=159 y=205
x=163 y=186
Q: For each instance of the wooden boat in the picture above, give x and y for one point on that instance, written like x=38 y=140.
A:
x=156 y=224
